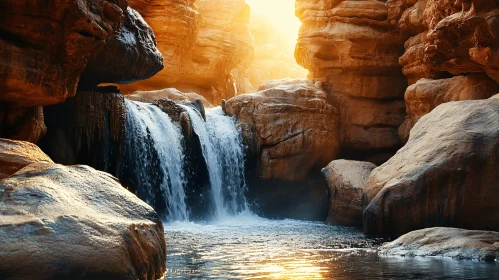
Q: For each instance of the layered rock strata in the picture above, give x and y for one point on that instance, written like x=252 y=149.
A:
x=354 y=47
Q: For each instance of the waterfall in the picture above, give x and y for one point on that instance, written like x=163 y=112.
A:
x=154 y=146
x=223 y=152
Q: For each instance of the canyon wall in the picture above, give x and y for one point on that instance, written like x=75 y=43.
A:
x=201 y=43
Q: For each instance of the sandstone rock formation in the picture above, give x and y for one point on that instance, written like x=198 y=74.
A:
x=346 y=181
x=294 y=127
x=175 y=25
x=446 y=242
x=354 y=47
x=201 y=49
x=76 y=222
x=170 y=93
x=129 y=55
x=45 y=46
x=292 y=132
x=446 y=175
x=15 y=155
x=422 y=97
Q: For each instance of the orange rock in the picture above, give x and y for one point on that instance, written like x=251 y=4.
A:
x=15 y=155
x=22 y=123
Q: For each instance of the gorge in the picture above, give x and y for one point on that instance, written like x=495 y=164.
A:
x=180 y=139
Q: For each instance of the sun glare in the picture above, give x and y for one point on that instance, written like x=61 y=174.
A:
x=281 y=13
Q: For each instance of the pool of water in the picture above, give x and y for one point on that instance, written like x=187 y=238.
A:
x=249 y=247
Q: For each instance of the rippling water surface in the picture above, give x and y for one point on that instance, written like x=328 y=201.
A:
x=249 y=247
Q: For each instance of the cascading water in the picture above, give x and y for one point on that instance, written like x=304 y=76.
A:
x=223 y=152
x=154 y=144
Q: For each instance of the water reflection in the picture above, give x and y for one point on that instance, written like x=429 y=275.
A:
x=248 y=247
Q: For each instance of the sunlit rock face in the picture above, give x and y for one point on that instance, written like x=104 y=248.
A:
x=46 y=45
x=292 y=132
x=175 y=24
x=425 y=95
x=75 y=222
x=201 y=43
x=169 y=93
x=354 y=48
x=346 y=180
x=446 y=174
x=446 y=242
x=15 y=155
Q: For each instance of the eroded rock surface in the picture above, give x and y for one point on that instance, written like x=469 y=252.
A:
x=22 y=123
x=170 y=93
x=354 y=48
x=446 y=175
x=130 y=54
x=76 y=222
x=46 y=45
x=346 y=181
x=446 y=242
x=15 y=155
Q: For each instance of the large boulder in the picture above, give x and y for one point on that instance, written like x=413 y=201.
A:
x=75 y=222
x=446 y=175
x=129 y=55
x=291 y=133
x=445 y=242
x=354 y=47
x=45 y=46
x=426 y=94
x=346 y=180
x=15 y=155
x=294 y=127
x=170 y=93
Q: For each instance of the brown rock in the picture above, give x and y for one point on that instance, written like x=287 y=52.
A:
x=22 y=123
x=170 y=93
x=446 y=175
x=294 y=127
x=75 y=222
x=15 y=155
x=129 y=55
x=427 y=94
x=45 y=46
x=446 y=242
x=346 y=181
x=353 y=47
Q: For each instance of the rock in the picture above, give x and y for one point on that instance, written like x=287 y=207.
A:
x=92 y=131
x=427 y=94
x=353 y=47
x=295 y=128
x=202 y=43
x=75 y=222
x=346 y=181
x=446 y=174
x=45 y=46
x=22 y=123
x=129 y=55
x=175 y=25
x=446 y=242
x=15 y=155
x=291 y=132
x=170 y=93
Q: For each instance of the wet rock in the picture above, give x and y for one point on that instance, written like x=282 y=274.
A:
x=75 y=222
x=130 y=54
x=346 y=181
x=45 y=46
x=15 y=155
x=427 y=94
x=170 y=93
x=353 y=47
x=22 y=123
x=446 y=174
x=446 y=242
